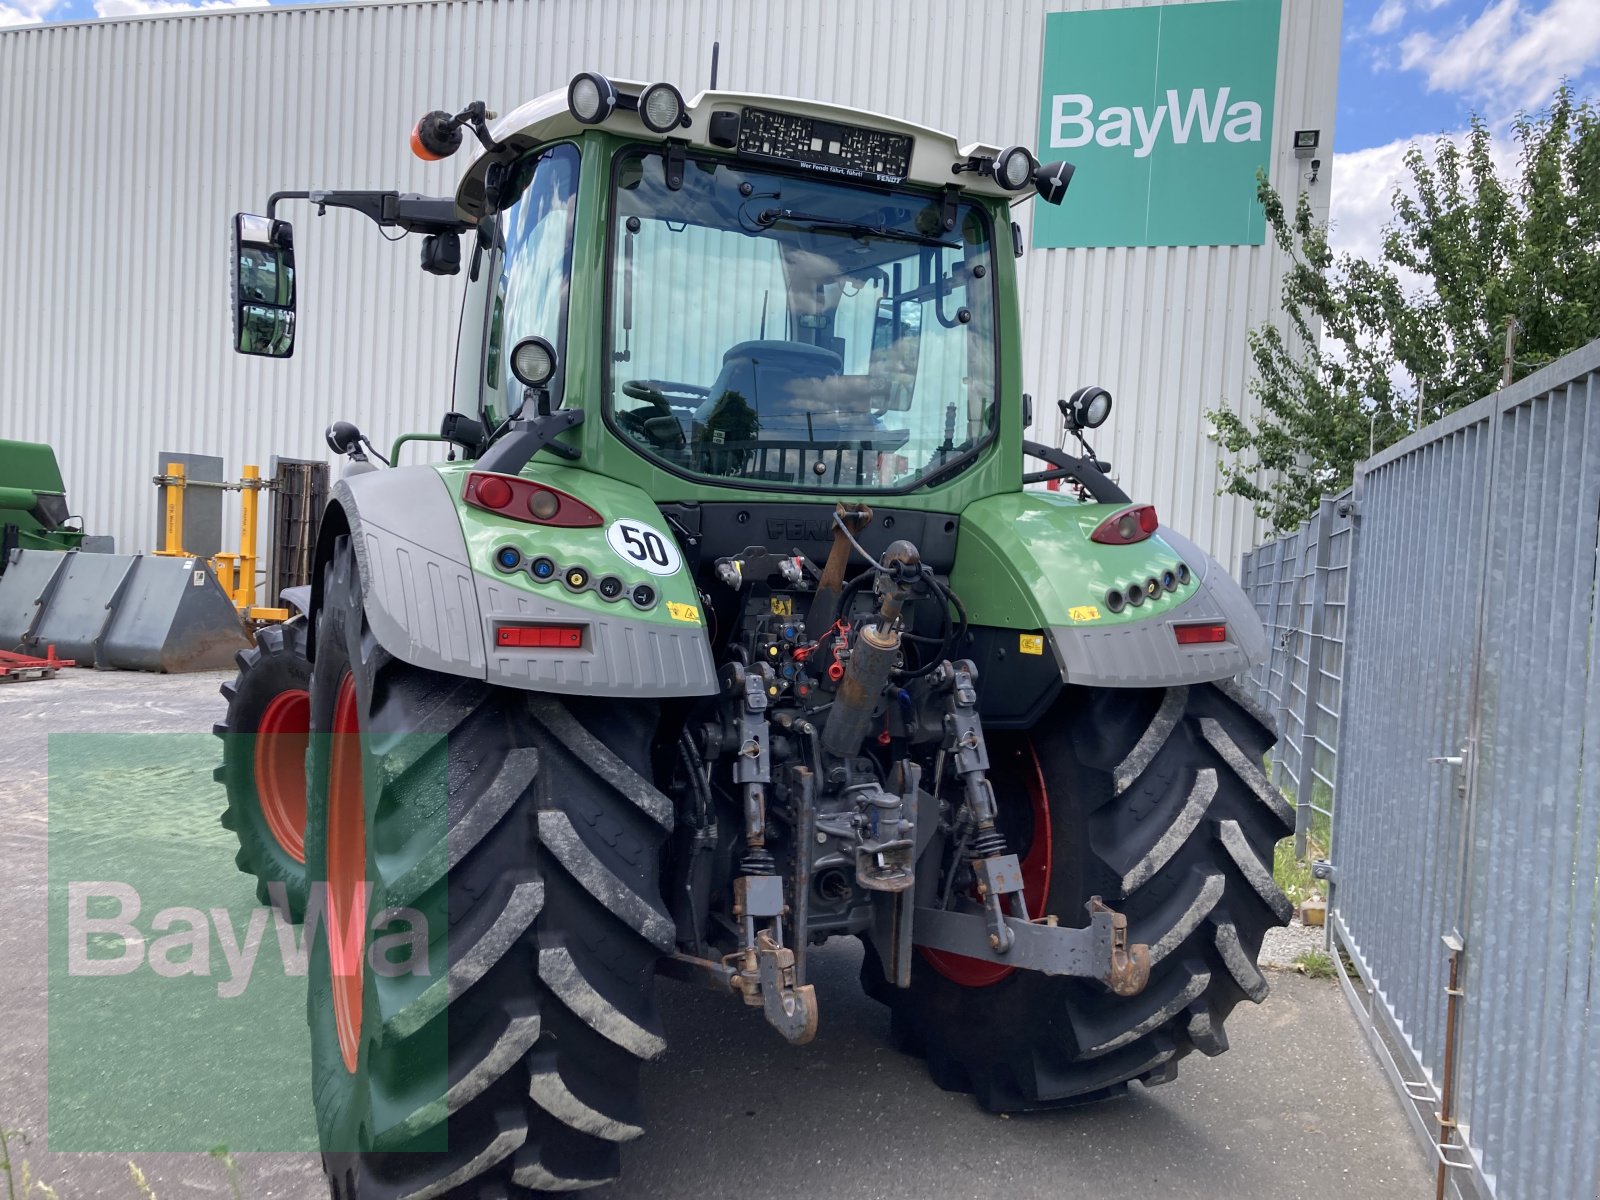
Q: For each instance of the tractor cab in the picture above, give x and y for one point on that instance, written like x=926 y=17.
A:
x=790 y=296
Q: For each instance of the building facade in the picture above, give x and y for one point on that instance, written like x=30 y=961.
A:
x=129 y=144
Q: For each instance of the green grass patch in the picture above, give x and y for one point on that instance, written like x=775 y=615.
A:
x=1293 y=875
x=1314 y=964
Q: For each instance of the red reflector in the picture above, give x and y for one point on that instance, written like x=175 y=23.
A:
x=1127 y=526
x=1200 y=635
x=523 y=500
x=539 y=636
x=492 y=491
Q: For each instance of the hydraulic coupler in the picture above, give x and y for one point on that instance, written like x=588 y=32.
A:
x=873 y=654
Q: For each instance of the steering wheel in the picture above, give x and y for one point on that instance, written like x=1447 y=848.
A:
x=662 y=393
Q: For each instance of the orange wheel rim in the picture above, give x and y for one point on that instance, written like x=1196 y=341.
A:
x=347 y=868
x=280 y=769
x=1036 y=868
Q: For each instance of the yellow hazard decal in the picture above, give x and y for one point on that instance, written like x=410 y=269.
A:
x=683 y=612
x=783 y=606
x=1084 y=612
x=1031 y=643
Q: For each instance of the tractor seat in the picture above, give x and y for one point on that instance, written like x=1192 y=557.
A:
x=766 y=389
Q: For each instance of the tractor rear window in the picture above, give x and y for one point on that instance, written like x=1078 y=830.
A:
x=794 y=333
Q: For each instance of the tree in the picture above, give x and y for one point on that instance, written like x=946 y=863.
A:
x=1484 y=250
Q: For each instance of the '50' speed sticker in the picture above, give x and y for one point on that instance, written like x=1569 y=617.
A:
x=644 y=546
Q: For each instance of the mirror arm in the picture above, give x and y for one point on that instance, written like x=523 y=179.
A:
x=407 y=211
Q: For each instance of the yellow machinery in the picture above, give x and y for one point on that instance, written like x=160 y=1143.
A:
x=235 y=572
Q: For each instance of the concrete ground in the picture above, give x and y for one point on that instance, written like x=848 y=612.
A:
x=1297 y=1107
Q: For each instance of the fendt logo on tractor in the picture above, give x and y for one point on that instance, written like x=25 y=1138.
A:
x=732 y=625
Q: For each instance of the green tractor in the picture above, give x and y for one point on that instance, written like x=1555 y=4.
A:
x=33 y=502
x=730 y=627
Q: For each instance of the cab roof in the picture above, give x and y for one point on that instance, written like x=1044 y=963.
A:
x=934 y=153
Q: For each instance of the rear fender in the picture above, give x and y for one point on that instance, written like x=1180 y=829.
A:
x=1025 y=561
x=434 y=597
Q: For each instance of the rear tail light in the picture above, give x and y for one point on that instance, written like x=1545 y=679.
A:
x=1200 y=635
x=1126 y=527
x=524 y=500
x=569 y=637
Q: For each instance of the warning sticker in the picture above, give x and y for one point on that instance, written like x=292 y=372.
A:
x=1084 y=612
x=683 y=612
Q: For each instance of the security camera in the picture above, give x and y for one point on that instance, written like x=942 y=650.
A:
x=1316 y=166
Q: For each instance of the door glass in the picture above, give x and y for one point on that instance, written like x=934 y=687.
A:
x=535 y=269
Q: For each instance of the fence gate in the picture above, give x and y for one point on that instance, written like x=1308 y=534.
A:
x=1466 y=821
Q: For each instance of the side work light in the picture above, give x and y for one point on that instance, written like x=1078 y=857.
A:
x=533 y=362
x=591 y=98
x=661 y=108
x=1051 y=180
x=1014 y=167
x=1086 y=408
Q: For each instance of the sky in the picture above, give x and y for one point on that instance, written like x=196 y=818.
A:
x=1410 y=70
x=1413 y=70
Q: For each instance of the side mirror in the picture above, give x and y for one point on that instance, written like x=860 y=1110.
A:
x=263 y=286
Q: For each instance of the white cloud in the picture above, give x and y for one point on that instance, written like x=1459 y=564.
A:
x=143 y=8
x=1365 y=182
x=1390 y=13
x=25 y=12
x=1511 y=54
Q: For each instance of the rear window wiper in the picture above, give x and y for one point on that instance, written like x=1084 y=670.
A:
x=771 y=216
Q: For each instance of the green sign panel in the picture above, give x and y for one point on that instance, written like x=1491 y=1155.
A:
x=1167 y=114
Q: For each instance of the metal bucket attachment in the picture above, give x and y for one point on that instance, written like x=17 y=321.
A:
x=124 y=612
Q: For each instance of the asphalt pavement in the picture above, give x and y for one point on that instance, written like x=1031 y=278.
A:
x=1296 y=1108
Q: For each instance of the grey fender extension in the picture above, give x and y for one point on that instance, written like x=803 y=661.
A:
x=429 y=607
x=1146 y=654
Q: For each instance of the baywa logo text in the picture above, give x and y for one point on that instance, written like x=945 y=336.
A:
x=112 y=943
x=1205 y=115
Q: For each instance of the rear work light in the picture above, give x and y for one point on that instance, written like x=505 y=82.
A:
x=1200 y=635
x=1126 y=527
x=564 y=637
x=524 y=500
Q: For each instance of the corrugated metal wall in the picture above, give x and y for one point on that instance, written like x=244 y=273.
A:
x=128 y=144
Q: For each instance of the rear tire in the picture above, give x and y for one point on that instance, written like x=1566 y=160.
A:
x=1158 y=804
x=526 y=829
x=264 y=739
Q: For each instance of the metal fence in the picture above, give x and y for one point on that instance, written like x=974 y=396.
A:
x=1466 y=845
x=1300 y=584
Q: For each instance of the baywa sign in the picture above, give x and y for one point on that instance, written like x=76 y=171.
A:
x=1167 y=113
